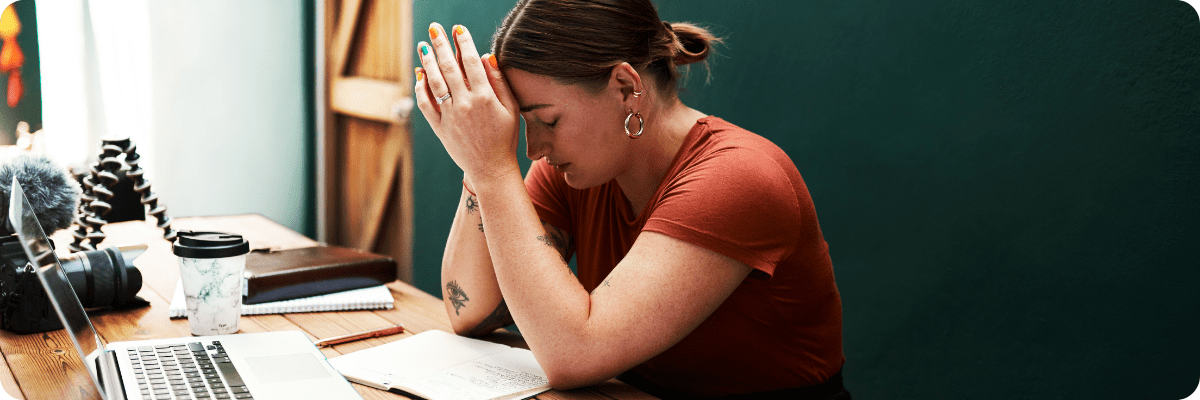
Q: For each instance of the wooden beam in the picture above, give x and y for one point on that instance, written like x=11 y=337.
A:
x=392 y=155
x=373 y=99
x=345 y=31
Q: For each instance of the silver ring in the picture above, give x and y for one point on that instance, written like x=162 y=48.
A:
x=443 y=98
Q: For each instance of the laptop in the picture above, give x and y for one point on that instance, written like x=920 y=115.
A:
x=264 y=366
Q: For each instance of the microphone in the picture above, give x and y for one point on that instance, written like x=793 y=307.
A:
x=52 y=193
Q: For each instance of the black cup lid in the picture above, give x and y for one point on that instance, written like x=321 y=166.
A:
x=196 y=244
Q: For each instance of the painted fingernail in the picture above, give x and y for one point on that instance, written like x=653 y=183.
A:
x=458 y=29
x=424 y=48
x=433 y=32
x=492 y=60
x=420 y=73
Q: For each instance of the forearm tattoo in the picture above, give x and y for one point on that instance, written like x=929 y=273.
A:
x=499 y=318
x=558 y=239
x=602 y=285
x=458 y=298
x=472 y=204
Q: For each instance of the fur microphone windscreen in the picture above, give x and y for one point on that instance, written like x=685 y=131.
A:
x=51 y=191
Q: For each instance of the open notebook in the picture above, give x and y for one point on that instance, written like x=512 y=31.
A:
x=438 y=365
x=368 y=298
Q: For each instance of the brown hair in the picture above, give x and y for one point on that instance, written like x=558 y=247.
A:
x=580 y=41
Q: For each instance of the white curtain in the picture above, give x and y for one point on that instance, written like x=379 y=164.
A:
x=212 y=89
x=95 y=66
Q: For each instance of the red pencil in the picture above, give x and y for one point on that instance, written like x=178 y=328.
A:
x=391 y=330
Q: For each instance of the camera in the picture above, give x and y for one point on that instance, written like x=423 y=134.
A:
x=104 y=278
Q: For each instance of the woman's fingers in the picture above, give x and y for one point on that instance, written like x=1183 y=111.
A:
x=433 y=74
x=444 y=61
x=469 y=57
x=425 y=98
x=498 y=83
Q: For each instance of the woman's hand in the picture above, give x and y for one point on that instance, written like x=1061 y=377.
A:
x=477 y=119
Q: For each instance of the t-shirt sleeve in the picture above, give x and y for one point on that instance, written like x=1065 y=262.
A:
x=548 y=191
x=736 y=203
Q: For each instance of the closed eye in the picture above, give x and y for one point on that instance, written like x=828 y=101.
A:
x=552 y=124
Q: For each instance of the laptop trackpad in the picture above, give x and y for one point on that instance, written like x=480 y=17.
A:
x=291 y=367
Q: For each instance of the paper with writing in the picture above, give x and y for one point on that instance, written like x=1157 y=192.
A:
x=442 y=366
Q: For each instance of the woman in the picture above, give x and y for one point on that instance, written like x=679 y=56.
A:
x=701 y=267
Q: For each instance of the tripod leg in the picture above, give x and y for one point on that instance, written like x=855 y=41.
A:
x=141 y=185
x=92 y=207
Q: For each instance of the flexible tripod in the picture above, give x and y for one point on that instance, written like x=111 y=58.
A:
x=97 y=193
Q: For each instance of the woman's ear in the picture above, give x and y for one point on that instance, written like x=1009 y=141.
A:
x=626 y=81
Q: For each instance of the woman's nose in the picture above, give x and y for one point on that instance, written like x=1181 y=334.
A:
x=536 y=144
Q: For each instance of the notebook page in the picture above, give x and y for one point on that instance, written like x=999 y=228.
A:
x=412 y=356
x=511 y=373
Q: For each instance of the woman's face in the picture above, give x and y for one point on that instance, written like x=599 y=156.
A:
x=578 y=132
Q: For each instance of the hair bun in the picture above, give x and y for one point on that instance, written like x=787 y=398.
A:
x=580 y=41
x=692 y=43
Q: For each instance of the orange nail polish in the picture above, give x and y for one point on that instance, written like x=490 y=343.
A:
x=458 y=29
x=433 y=33
x=492 y=60
x=420 y=73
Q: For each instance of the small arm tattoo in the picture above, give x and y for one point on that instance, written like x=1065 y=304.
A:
x=602 y=284
x=481 y=227
x=458 y=298
x=546 y=240
x=557 y=238
x=472 y=204
x=499 y=318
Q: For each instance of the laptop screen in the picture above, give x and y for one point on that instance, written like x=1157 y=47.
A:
x=54 y=280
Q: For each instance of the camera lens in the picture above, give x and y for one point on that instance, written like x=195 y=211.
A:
x=106 y=277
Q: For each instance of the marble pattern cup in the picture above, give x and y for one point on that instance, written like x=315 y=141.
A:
x=213 y=287
x=211 y=265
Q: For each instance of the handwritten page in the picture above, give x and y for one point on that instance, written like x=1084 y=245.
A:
x=442 y=366
x=509 y=373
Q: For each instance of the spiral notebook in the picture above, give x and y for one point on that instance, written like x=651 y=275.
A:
x=368 y=298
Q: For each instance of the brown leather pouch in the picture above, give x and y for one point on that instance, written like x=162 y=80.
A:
x=311 y=271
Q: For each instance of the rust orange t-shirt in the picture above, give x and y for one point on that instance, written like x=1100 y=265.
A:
x=735 y=193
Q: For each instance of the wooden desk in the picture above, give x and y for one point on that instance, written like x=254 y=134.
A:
x=45 y=365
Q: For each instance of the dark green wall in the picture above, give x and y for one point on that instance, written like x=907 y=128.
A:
x=29 y=109
x=1009 y=190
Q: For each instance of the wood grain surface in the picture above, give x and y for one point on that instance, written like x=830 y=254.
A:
x=46 y=366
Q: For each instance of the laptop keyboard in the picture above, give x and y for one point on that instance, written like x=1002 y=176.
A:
x=186 y=371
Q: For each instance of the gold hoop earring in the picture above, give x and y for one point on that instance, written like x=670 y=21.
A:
x=641 y=125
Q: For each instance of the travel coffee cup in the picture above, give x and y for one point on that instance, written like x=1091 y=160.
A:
x=211 y=266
